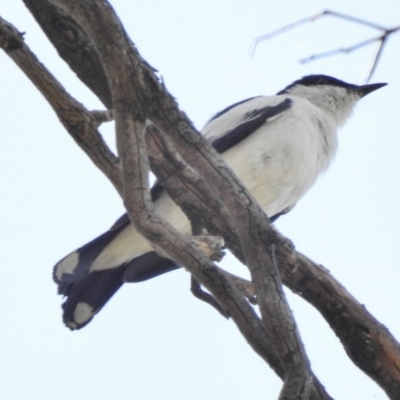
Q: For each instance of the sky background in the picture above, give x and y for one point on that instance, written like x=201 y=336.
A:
x=154 y=340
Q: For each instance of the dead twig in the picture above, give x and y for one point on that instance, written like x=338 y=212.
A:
x=380 y=39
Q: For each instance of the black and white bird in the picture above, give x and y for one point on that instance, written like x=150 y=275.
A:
x=277 y=146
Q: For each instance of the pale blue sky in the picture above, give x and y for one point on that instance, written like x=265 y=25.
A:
x=154 y=341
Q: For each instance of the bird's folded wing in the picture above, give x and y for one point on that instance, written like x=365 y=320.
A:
x=250 y=122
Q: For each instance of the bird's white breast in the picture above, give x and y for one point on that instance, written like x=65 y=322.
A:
x=281 y=160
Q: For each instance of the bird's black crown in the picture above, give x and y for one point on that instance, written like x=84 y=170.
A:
x=315 y=80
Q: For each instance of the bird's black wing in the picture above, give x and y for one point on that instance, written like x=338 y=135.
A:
x=225 y=110
x=252 y=121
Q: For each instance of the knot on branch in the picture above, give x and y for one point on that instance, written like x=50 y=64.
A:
x=101 y=116
x=212 y=246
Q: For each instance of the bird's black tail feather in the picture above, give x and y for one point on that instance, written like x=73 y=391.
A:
x=86 y=297
x=148 y=266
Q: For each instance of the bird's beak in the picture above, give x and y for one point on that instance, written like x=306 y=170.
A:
x=366 y=89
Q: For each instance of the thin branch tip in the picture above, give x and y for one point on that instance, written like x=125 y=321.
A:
x=386 y=32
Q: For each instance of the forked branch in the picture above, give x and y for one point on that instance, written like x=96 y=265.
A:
x=380 y=40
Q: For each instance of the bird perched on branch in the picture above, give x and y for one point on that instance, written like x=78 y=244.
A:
x=276 y=145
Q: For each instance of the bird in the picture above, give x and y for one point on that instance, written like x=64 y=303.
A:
x=276 y=145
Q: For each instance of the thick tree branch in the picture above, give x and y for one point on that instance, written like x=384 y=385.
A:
x=174 y=174
x=80 y=123
x=367 y=342
x=72 y=43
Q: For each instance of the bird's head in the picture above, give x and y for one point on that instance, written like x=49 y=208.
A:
x=332 y=95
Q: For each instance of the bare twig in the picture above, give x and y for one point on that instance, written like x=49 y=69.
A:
x=199 y=293
x=341 y=50
x=375 y=59
x=381 y=39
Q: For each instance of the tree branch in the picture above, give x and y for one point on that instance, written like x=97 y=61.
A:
x=380 y=40
x=80 y=123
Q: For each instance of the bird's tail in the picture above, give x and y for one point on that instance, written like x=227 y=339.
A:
x=87 y=290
